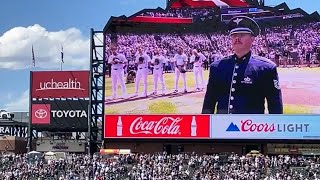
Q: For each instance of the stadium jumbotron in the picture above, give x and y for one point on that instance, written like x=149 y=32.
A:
x=203 y=28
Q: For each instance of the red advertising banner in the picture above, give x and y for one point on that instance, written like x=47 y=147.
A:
x=157 y=126
x=41 y=113
x=60 y=84
x=208 y=3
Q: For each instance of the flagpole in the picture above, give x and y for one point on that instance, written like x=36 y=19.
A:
x=33 y=63
x=29 y=136
x=61 y=58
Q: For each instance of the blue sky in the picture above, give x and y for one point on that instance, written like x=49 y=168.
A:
x=49 y=24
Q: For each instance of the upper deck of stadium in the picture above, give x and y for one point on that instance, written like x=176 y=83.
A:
x=183 y=14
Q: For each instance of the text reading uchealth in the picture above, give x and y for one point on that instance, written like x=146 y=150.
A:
x=72 y=84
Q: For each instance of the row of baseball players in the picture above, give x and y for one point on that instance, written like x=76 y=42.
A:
x=117 y=61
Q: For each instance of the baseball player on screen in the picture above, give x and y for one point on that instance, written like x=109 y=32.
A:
x=180 y=60
x=117 y=62
x=142 y=61
x=197 y=59
x=158 y=61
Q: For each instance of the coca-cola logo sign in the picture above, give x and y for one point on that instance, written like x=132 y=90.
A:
x=156 y=126
x=166 y=125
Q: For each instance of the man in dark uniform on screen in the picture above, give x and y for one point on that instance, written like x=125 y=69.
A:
x=240 y=83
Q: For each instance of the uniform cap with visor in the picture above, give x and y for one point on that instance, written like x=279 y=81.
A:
x=243 y=24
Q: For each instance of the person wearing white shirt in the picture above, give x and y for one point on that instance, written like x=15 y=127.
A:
x=197 y=59
x=180 y=60
x=142 y=61
x=171 y=64
x=158 y=61
x=117 y=62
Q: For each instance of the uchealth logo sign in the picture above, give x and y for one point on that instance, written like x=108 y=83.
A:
x=264 y=127
x=157 y=126
x=41 y=113
x=60 y=84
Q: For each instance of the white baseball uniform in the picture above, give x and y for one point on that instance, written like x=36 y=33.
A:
x=198 y=69
x=158 y=73
x=142 y=72
x=180 y=61
x=117 y=74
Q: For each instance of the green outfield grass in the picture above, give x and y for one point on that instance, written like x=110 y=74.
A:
x=304 y=69
x=296 y=109
x=167 y=107
x=162 y=107
x=168 y=80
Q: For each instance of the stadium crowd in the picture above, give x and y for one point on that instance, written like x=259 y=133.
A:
x=160 y=166
x=286 y=45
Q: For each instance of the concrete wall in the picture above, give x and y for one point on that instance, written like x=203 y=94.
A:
x=187 y=147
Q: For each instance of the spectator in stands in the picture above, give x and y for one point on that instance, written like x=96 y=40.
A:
x=160 y=166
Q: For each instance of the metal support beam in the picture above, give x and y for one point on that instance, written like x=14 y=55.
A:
x=97 y=80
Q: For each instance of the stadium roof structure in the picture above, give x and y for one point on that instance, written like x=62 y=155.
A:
x=139 y=23
x=137 y=18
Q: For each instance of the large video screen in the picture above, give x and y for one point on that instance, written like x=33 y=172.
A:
x=161 y=79
x=145 y=78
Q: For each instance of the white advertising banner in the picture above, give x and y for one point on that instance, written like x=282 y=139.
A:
x=265 y=127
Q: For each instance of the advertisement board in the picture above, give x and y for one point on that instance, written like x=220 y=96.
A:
x=157 y=126
x=13 y=131
x=115 y=151
x=41 y=113
x=206 y=3
x=264 y=127
x=61 y=115
x=56 y=146
x=60 y=84
x=238 y=10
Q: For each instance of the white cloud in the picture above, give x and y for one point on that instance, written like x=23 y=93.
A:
x=9 y=96
x=15 y=48
x=19 y=104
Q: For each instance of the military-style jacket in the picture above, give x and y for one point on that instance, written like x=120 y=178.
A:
x=240 y=86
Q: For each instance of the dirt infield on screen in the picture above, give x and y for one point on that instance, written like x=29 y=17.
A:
x=300 y=91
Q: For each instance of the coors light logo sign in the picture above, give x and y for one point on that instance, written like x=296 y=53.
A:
x=60 y=84
x=156 y=126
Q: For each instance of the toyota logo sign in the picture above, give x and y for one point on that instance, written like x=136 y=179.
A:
x=41 y=113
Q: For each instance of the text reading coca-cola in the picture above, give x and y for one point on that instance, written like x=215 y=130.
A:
x=156 y=126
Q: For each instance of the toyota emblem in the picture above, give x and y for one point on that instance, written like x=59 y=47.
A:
x=41 y=113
